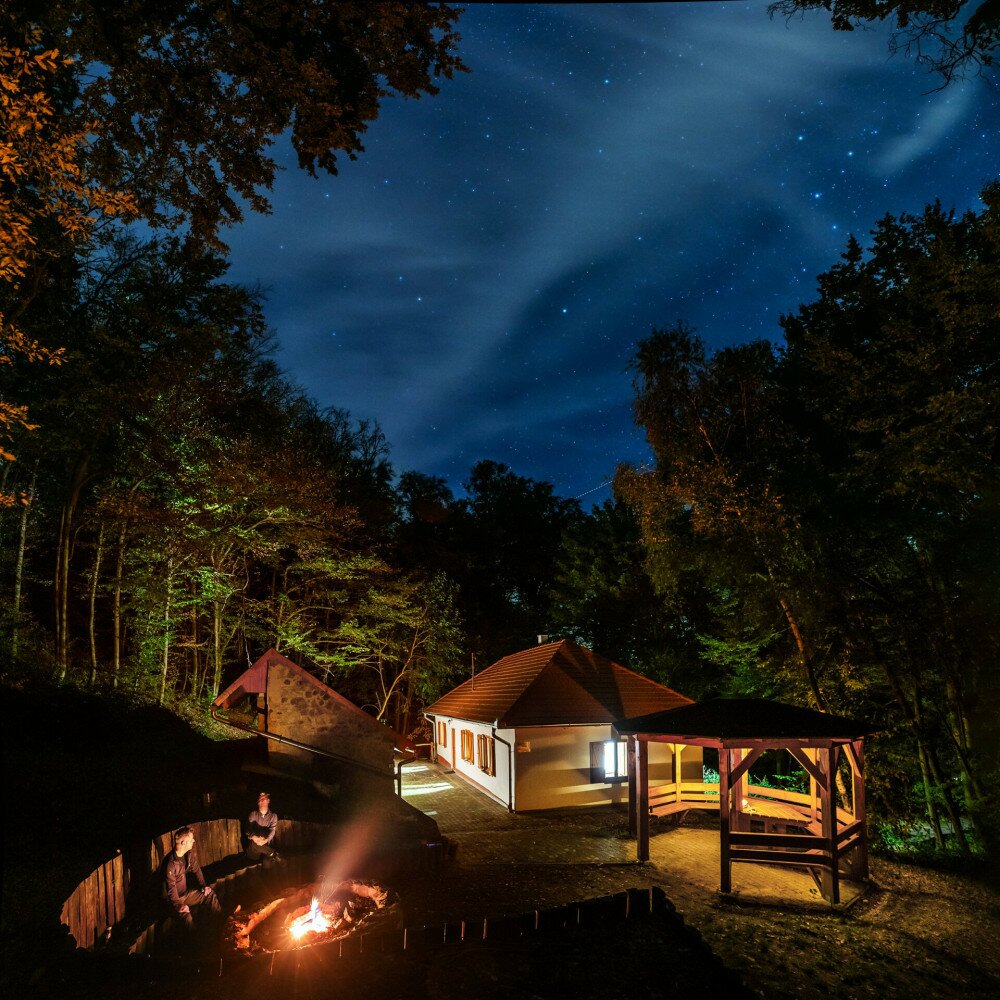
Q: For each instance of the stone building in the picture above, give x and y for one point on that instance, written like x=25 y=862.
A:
x=311 y=729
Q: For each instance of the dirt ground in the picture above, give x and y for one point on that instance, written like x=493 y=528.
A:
x=917 y=933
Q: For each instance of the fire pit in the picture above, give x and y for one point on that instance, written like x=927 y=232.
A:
x=312 y=914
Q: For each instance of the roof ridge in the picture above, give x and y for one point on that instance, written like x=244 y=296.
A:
x=552 y=662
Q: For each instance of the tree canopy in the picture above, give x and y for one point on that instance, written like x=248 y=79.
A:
x=953 y=38
x=183 y=101
x=834 y=501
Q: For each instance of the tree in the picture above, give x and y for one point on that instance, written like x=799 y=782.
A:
x=168 y=109
x=896 y=373
x=48 y=202
x=511 y=533
x=851 y=481
x=604 y=597
x=400 y=647
x=182 y=101
x=722 y=453
x=950 y=37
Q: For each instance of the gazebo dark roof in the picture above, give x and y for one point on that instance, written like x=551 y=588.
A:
x=725 y=719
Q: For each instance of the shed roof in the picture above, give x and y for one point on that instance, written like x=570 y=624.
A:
x=746 y=718
x=558 y=683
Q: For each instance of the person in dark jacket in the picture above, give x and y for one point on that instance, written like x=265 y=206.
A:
x=180 y=868
x=262 y=824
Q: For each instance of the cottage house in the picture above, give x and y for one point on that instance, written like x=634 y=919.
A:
x=534 y=730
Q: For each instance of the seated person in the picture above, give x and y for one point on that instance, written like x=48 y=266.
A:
x=178 y=866
x=262 y=824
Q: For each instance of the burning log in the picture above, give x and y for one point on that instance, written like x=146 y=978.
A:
x=309 y=915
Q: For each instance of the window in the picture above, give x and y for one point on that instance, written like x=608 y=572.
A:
x=608 y=762
x=486 y=748
x=442 y=734
x=467 y=745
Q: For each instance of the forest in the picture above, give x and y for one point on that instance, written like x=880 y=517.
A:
x=819 y=522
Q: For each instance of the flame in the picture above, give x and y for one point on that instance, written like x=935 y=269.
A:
x=313 y=922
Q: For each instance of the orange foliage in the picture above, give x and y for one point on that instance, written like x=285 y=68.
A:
x=42 y=181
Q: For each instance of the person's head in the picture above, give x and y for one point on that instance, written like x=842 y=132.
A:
x=263 y=802
x=183 y=841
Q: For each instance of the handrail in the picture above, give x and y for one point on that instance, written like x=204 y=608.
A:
x=288 y=741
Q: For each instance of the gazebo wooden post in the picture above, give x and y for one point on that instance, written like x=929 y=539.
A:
x=858 y=795
x=642 y=819
x=725 y=876
x=813 y=786
x=740 y=820
x=633 y=823
x=830 y=875
x=678 y=749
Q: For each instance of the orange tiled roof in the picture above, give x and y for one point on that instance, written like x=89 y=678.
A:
x=557 y=684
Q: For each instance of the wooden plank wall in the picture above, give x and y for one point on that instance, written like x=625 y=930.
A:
x=297 y=837
x=214 y=840
x=98 y=902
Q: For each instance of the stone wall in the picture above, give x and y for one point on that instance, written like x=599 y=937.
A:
x=305 y=711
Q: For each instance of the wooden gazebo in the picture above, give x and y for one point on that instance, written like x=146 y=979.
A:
x=757 y=823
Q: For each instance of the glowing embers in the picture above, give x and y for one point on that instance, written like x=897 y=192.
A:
x=313 y=914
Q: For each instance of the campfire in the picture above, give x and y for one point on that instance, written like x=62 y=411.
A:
x=310 y=914
x=315 y=921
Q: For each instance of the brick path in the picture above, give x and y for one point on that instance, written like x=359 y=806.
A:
x=683 y=860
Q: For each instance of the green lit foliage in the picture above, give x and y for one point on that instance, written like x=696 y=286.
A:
x=400 y=646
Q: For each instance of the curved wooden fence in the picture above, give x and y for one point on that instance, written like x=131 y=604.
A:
x=127 y=886
x=98 y=904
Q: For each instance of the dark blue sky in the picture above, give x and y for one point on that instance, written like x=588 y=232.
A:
x=477 y=281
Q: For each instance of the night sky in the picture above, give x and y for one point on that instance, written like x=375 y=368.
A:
x=478 y=279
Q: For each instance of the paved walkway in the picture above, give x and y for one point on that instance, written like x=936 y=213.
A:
x=684 y=860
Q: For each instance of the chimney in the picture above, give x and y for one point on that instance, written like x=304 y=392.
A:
x=542 y=639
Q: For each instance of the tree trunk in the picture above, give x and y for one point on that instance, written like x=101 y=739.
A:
x=935 y=769
x=932 y=811
x=94 y=577
x=804 y=658
x=22 y=538
x=116 y=625
x=216 y=646
x=195 y=664
x=63 y=557
x=913 y=712
x=166 y=628
x=57 y=585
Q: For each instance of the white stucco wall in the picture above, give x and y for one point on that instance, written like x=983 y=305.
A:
x=495 y=785
x=552 y=764
x=556 y=770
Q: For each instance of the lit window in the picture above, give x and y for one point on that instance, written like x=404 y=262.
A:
x=467 y=746
x=486 y=751
x=608 y=762
x=442 y=734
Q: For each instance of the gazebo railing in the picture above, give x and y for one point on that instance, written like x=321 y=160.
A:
x=679 y=796
x=758 y=823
